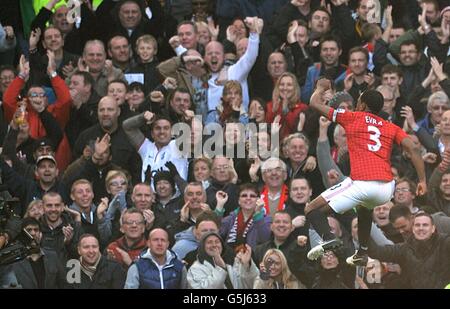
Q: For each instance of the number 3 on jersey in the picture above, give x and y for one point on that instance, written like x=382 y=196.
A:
x=374 y=136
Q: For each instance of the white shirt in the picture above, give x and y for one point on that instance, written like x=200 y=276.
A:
x=238 y=71
x=150 y=155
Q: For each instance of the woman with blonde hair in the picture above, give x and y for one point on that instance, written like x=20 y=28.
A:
x=35 y=209
x=275 y=273
x=201 y=170
x=285 y=106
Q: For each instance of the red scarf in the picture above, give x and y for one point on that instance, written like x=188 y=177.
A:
x=370 y=48
x=242 y=224
x=283 y=198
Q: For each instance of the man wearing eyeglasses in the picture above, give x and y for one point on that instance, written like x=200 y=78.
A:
x=405 y=194
x=127 y=248
x=38 y=102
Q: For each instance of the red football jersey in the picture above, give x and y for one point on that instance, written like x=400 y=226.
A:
x=369 y=140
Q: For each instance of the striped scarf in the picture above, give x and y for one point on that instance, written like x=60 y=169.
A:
x=239 y=230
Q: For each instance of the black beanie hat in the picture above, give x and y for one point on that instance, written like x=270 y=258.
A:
x=164 y=175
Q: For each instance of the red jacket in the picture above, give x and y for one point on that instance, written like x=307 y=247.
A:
x=132 y=252
x=289 y=121
x=60 y=110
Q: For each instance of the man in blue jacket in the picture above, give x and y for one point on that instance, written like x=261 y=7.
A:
x=157 y=267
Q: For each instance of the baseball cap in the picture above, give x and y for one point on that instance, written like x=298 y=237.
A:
x=46 y=157
x=43 y=142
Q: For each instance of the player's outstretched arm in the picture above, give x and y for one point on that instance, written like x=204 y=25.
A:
x=417 y=161
x=317 y=102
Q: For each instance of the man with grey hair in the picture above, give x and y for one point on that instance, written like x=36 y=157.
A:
x=223 y=178
x=126 y=249
x=94 y=61
x=274 y=192
x=194 y=205
x=299 y=164
x=389 y=103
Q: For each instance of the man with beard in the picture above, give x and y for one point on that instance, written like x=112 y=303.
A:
x=423 y=258
x=41 y=269
x=123 y=154
x=359 y=79
x=157 y=153
x=59 y=231
x=284 y=240
x=97 y=271
x=413 y=64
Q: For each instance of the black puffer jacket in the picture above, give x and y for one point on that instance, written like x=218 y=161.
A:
x=425 y=263
x=109 y=275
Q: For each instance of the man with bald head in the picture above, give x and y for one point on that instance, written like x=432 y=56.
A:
x=74 y=37
x=214 y=59
x=158 y=267
x=123 y=154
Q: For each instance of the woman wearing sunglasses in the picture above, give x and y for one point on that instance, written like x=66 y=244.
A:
x=246 y=224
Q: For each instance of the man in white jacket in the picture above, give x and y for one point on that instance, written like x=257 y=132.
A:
x=214 y=59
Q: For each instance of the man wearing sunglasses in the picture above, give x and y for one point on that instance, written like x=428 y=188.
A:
x=37 y=102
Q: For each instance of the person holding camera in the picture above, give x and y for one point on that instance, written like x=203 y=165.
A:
x=275 y=273
x=40 y=269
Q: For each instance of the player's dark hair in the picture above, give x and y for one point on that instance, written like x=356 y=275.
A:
x=398 y=211
x=373 y=99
